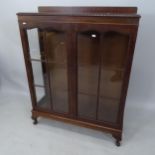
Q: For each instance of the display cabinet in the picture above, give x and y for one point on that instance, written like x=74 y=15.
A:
x=78 y=62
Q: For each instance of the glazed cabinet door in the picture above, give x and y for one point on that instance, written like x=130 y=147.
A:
x=48 y=59
x=102 y=55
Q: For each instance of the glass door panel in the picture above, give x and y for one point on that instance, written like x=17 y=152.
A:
x=57 y=66
x=88 y=61
x=113 y=58
x=101 y=66
x=48 y=56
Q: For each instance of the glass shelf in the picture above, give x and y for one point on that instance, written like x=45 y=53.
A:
x=48 y=61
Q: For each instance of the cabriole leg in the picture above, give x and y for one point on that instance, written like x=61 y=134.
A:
x=35 y=121
x=118 y=138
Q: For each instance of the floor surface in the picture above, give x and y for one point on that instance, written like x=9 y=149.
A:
x=18 y=135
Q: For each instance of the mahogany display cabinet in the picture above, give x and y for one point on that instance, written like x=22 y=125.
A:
x=78 y=62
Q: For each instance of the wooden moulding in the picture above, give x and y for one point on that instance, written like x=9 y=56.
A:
x=37 y=113
x=89 y=10
x=85 y=11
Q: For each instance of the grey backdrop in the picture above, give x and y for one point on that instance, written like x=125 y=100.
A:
x=141 y=94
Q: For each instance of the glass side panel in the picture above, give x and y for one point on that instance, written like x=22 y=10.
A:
x=39 y=70
x=34 y=45
x=38 y=74
x=43 y=98
x=88 y=61
x=101 y=66
x=57 y=58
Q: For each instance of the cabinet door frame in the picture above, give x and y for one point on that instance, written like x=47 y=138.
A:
x=64 y=27
x=72 y=29
x=130 y=30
